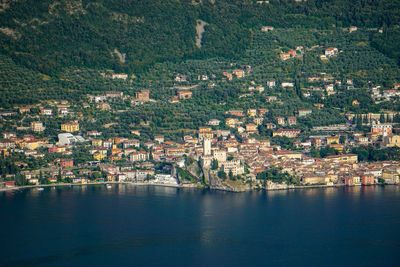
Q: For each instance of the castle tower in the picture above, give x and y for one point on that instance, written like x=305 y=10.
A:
x=206 y=147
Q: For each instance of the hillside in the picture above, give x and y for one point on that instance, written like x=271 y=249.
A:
x=49 y=36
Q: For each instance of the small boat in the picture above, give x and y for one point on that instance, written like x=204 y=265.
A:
x=40 y=189
x=108 y=186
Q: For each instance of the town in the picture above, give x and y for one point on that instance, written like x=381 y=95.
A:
x=227 y=155
x=283 y=116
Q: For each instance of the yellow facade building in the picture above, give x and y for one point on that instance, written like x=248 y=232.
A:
x=70 y=127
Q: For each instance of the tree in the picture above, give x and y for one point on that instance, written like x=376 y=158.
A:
x=214 y=165
x=222 y=175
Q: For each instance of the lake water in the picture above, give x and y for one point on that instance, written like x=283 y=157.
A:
x=128 y=225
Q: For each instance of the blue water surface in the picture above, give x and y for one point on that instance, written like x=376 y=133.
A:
x=147 y=226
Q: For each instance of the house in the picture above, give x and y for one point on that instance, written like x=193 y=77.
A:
x=382 y=128
x=37 y=126
x=8 y=135
x=252 y=112
x=10 y=183
x=238 y=113
x=180 y=78
x=24 y=110
x=304 y=112
x=331 y=51
x=66 y=163
x=184 y=94
x=367 y=179
x=159 y=139
x=239 y=73
x=287 y=154
x=270 y=125
x=345 y=158
x=122 y=76
x=280 y=120
x=233 y=167
x=332 y=139
x=291 y=120
x=70 y=127
x=251 y=128
x=231 y=122
x=205 y=133
x=391 y=141
x=214 y=122
x=319 y=105
x=139 y=156
x=287 y=84
x=46 y=111
x=352 y=29
x=290 y=133
x=114 y=94
x=142 y=96
x=262 y=112
x=271 y=98
x=271 y=84
x=174 y=100
x=227 y=75
x=258 y=120
x=266 y=28
x=315 y=178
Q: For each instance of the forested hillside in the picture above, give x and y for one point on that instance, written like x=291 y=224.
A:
x=131 y=35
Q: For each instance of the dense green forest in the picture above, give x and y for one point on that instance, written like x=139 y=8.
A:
x=63 y=50
x=49 y=36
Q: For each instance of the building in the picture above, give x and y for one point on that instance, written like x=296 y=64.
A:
x=46 y=111
x=24 y=110
x=290 y=133
x=270 y=125
x=205 y=133
x=238 y=113
x=206 y=147
x=184 y=94
x=37 y=126
x=139 y=156
x=304 y=112
x=392 y=141
x=262 y=112
x=70 y=127
x=287 y=85
x=291 y=120
x=143 y=96
x=214 y=122
x=271 y=84
x=252 y=112
x=266 y=28
x=367 y=179
x=159 y=139
x=251 y=128
x=114 y=94
x=228 y=75
x=382 y=129
x=280 y=120
x=239 y=73
x=233 y=166
x=231 y=122
x=66 y=163
x=331 y=51
x=219 y=155
x=346 y=158
x=287 y=154
x=332 y=139
x=122 y=76
x=66 y=139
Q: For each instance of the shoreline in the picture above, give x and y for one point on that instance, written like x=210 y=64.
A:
x=98 y=183
x=301 y=187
